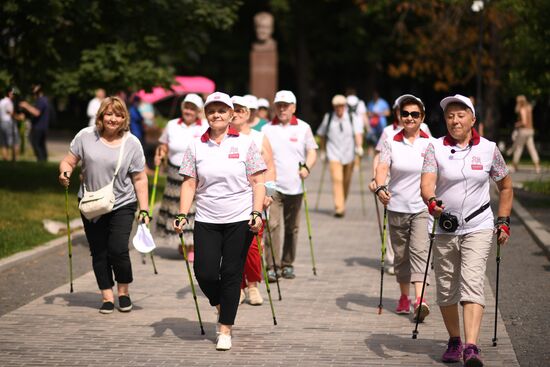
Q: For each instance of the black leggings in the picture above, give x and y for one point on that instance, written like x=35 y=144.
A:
x=108 y=239
x=220 y=253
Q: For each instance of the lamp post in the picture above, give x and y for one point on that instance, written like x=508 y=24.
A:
x=477 y=7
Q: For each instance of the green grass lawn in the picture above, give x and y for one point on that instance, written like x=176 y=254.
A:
x=541 y=187
x=29 y=193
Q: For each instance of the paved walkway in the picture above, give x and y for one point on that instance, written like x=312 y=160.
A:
x=325 y=320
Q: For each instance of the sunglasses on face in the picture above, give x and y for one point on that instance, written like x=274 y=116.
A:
x=414 y=114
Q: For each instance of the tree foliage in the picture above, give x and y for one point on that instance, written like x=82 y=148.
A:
x=75 y=46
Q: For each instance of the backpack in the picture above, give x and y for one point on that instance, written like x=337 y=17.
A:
x=331 y=115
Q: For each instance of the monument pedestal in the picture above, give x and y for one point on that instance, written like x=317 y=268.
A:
x=263 y=72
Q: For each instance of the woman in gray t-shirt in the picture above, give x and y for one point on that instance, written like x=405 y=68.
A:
x=98 y=147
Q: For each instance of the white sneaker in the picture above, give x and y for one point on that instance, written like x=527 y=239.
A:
x=254 y=296
x=242 y=297
x=223 y=342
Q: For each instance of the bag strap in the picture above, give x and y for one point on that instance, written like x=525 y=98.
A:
x=120 y=154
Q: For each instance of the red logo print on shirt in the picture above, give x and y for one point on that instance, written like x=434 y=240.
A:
x=234 y=153
x=476 y=164
x=294 y=138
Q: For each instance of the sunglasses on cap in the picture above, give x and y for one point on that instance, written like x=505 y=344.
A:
x=414 y=114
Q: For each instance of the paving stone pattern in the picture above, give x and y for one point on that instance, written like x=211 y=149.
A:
x=326 y=320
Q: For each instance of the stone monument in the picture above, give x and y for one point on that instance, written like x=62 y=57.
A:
x=263 y=58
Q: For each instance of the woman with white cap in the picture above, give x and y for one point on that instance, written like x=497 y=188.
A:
x=174 y=141
x=225 y=172
x=255 y=121
x=253 y=268
x=402 y=157
x=455 y=185
x=263 y=109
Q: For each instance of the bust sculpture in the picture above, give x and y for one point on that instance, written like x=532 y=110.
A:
x=263 y=23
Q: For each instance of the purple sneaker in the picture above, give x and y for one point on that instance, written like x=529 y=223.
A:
x=454 y=350
x=471 y=356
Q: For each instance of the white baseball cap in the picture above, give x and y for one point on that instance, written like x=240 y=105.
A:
x=262 y=102
x=193 y=98
x=285 y=96
x=457 y=98
x=241 y=101
x=219 y=97
x=400 y=99
x=251 y=101
x=352 y=100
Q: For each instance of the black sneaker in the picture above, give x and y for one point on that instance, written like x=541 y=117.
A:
x=107 y=307
x=124 y=303
x=288 y=272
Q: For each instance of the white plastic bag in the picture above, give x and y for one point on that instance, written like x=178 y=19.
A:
x=143 y=241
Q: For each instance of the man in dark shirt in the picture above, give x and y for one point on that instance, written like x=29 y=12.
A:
x=40 y=118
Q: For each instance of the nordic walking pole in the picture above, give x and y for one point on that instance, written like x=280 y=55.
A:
x=324 y=170
x=151 y=205
x=272 y=253
x=191 y=282
x=378 y=216
x=361 y=185
x=308 y=223
x=496 y=292
x=432 y=237
x=69 y=242
x=266 y=279
x=383 y=255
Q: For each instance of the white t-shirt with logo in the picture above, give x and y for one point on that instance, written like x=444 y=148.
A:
x=223 y=194
x=405 y=161
x=177 y=135
x=390 y=131
x=258 y=138
x=463 y=178
x=290 y=143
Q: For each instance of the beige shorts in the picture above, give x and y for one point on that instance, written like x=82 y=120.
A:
x=410 y=242
x=459 y=265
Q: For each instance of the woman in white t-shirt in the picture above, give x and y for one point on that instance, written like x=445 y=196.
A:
x=99 y=147
x=402 y=157
x=225 y=172
x=253 y=268
x=455 y=185
x=174 y=141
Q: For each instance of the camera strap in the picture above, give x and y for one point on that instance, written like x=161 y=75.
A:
x=477 y=212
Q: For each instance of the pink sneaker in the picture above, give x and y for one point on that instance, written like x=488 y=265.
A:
x=424 y=309
x=191 y=256
x=403 y=306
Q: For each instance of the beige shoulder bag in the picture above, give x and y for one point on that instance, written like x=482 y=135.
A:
x=102 y=201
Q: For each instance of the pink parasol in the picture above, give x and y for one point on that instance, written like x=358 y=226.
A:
x=183 y=85
x=156 y=95
x=193 y=84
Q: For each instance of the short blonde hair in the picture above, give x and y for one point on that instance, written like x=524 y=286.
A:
x=118 y=107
